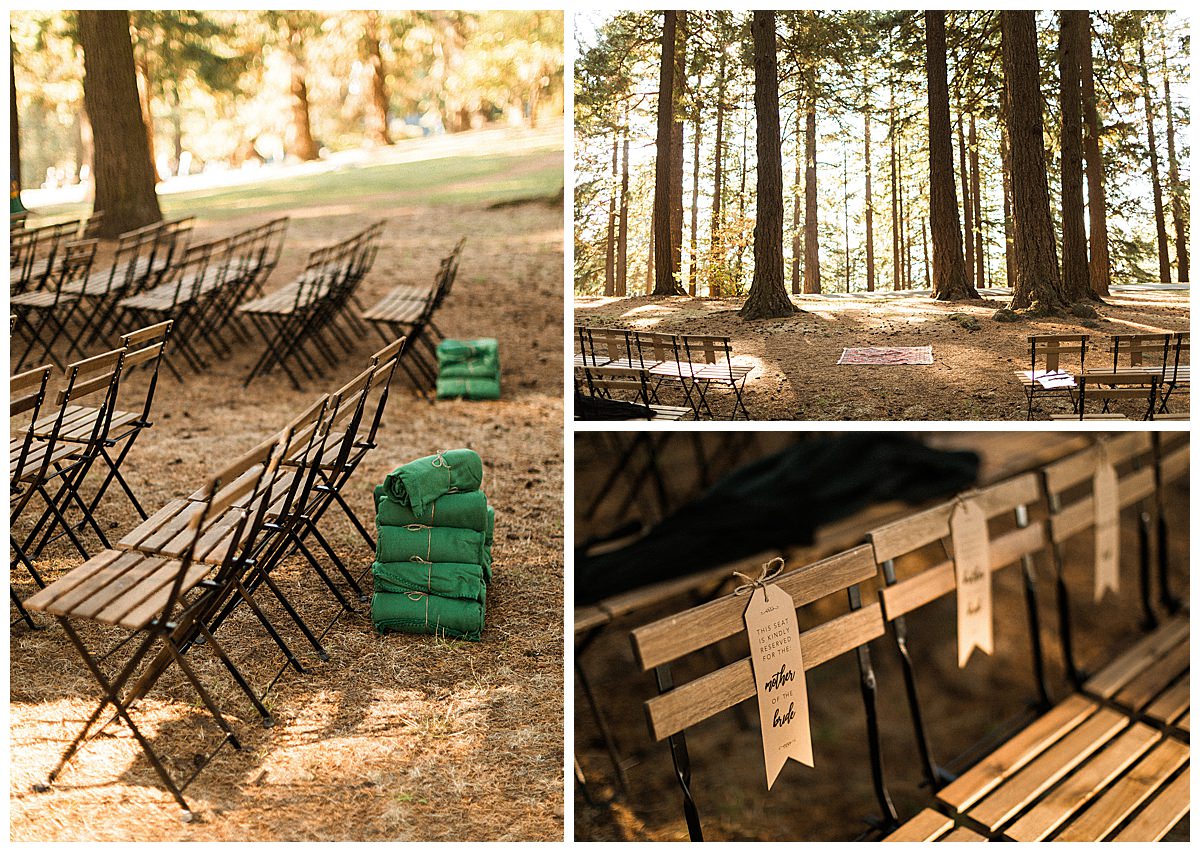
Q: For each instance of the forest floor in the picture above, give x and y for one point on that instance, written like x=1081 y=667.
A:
x=975 y=356
x=833 y=800
x=396 y=737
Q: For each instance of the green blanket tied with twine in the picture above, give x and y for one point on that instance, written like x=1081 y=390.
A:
x=468 y=369
x=415 y=612
x=431 y=544
x=444 y=579
x=476 y=388
x=419 y=483
x=467 y=510
x=483 y=352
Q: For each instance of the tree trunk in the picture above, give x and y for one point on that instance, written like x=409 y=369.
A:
x=742 y=195
x=124 y=176
x=1099 y=272
x=949 y=270
x=1010 y=265
x=1038 y=286
x=895 y=192
x=377 y=113
x=1160 y=222
x=925 y=250
x=650 y=259
x=812 y=260
x=796 y=231
x=976 y=201
x=679 y=84
x=846 y=214
x=906 y=265
x=299 y=142
x=1173 y=186
x=767 y=298
x=968 y=219
x=693 y=261
x=143 y=87
x=610 y=242
x=1075 y=281
x=14 y=131
x=665 y=283
x=869 y=211
x=623 y=224
x=714 y=247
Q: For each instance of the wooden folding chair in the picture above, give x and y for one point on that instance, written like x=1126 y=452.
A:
x=1104 y=388
x=28 y=463
x=158 y=601
x=1050 y=351
x=660 y=645
x=51 y=311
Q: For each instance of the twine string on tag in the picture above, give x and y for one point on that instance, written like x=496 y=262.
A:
x=770 y=570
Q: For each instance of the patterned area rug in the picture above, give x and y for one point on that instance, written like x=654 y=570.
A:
x=887 y=355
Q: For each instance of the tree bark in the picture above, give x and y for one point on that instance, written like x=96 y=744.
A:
x=377 y=113
x=976 y=201
x=1173 y=186
x=299 y=142
x=1160 y=221
x=812 y=260
x=968 y=219
x=124 y=175
x=143 y=87
x=665 y=283
x=714 y=247
x=650 y=259
x=1010 y=264
x=610 y=242
x=895 y=191
x=623 y=224
x=680 y=83
x=693 y=261
x=1099 y=268
x=797 y=253
x=925 y=250
x=1075 y=277
x=869 y=206
x=949 y=270
x=767 y=298
x=1038 y=286
x=14 y=130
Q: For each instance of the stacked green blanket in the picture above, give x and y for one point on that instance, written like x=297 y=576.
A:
x=468 y=369
x=433 y=559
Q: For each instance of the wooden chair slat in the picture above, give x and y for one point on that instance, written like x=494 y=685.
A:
x=140 y=575
x=28 y=379
x=1141 y=689
x=45 y=598
x=701 y=698
x=140 y=615
x=150 y=332
x=140 y=356
x=962 y=834
x=1173 y=703
x=1176 y=463
x=927 y=825
x=701 y=626
x=1145 y=652
x=1160 y=816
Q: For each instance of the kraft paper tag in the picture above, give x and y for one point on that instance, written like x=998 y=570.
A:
x=972 y=577
x=779 y=677
x=1107 y=524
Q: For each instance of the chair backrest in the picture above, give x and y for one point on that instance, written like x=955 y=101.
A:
x=705 y=348
x=147 y=346
x=100 y=374
x=653 y=346
x=76 y=266
x=1050 y=349
x=448 y=270
x=1119 y=386
x=385 y=362
x=601 y=345
x=1072 y=510
x=678 y=707
x=346 y=406
x=1140 y=349
x=26 y=394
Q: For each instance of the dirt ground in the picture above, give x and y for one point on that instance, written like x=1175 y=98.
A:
x=797 y=376
x=396 y=737
x=834 y=801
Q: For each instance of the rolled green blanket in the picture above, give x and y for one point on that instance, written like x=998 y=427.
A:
x=487 y=563
x=491 y=527
x=484 y=350
x=473 y=388
x=432 y=544
x=417 y=613
x=418 y=483
x=444 y=579
x=468 y=510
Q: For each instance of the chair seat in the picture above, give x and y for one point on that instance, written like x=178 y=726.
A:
x=165 y=533
x=79 y=421
x=930 y=825
x=37 y=457
x=124 y=588
x=41 y=299
x=724 y=372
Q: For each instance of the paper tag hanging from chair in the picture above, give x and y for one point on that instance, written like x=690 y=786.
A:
x=972 y=577
x=778 y=667
x=1106 y=502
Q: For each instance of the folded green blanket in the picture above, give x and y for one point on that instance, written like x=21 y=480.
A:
x=468 y=510
x=491 y=527
x=480 y=351
x=444 y=579
x=418 y=613
x=470 y=371
x=418 y=483
x=487 y=563
x=432 y=544
x=473 y=388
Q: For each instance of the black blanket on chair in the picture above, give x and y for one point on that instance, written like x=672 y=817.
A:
x=777 y=502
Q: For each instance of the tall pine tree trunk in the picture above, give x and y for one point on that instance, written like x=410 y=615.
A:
x=680 y=83
x=650 y=279
x=665 y=283
x=693 y=260
x=1160 y=221
x=623 y=222
x=796 y=231
x=812 y=260
x=767 y=298
x=976 y=201
x=610 y=242
x=968 y=219
x=1173 y=187
x=895 y=191
x=124 y=173
x=1099 y=272
x=1075 y=280
x=715 y=248
x=925 y=250
x=949 y=270
x=1010 y=265
x=143 y=86
x=869 y=211
x=14 y=130
x=1038 y=286
x=377 y=111
x=299 y=142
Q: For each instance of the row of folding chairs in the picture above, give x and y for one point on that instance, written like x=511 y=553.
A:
x=77 y=302
x=1107 y=759
x=171 y=583
x=70 y=437
x=409 y=309
x=1147 y=367
x=36 y=253
x=201 y=291
x=640 y=366
x=299 y=323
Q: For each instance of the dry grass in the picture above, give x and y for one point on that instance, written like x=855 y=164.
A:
x=396 y=737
